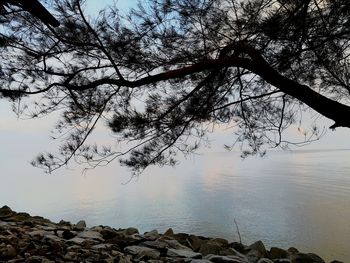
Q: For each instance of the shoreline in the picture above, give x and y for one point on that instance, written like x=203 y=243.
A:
x=26 y=238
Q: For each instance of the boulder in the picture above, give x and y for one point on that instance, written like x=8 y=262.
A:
x=90 y=234
x=183 y=253
x=211 y=247
x=5 y=212
x=265 y=260
x=142 y=252
x=305 y=258
x=81 y=225
x=224 y=259
x=108 y=233
x=169 y=232
x=67 y=234
x=152 y=235
x=260 y=247
x=195 y=242
x=276 y=253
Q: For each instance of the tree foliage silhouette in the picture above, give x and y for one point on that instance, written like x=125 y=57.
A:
x=167 y=73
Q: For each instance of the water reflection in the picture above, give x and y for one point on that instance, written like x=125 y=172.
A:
x=288 y=199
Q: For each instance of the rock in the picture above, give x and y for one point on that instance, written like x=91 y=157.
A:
x=211 y=247
x=183 y=253
x=143 y=252
x=9 y=252
x=5 y=212
x=77 y=240
x=276 y=253
x=160 y=245
x=305 y=258
x=293 y=250
x=81 y=225
x=67 y=234
x=172 y=243
x=200 y=261
x=130 y=231
x=152 y=235
x=224 y=259
x=195 y=242
x=265 y=260
x=101 y=246
x=253 y=256
x=108 y=233
x=260 y=247
x=90 y=234
x=336 y=261
x=169 y=232
x=181 y=238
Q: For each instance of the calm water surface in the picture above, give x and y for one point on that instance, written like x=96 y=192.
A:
x=288 y=199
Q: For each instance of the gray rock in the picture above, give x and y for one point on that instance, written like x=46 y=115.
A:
x=225 y=259
x=155 y=244
x=260 y=247
x=253 y=256
x=9 y=252
x=211 y=247
x=152 y=235
x=176 y=244
x=77 y=240
x=195 y=242
x=276 y=253
x=200 y=261
x=265 y=260
x=81 y=225
x=169 y=232
x=183 y=253
x=90 y=234
x=101 y=246
x=141 y=252
x=130 y=231
x=306 y=258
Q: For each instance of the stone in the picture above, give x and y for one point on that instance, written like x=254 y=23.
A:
x=130 y=231
x=253 y=256
x=210 y=247
x=265 y=260
x=293 y=250
x=67 y=234
x=141 y=252
x=276 y=253
x=5 y=212
x=89 y=234
x=260 y=247
x=181 y=238
x=175 y=244
x=101 y=246
x=9 y=252
x=195 y=242
x=224 y=259
x=306 y=258
x=77 y=240
x=152 y=235
x=169 y=232
x=155 y=244
x=108 y=233
x=183 y=253
x=81 y=225
x=200 y=261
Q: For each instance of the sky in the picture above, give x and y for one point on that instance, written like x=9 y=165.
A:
x=22 y=140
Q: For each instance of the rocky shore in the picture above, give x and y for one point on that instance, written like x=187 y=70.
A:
x=25 y=238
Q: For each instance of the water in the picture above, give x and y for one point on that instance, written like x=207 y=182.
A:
x=288 y=199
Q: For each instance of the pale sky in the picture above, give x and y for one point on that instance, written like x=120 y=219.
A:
x=22 y=140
